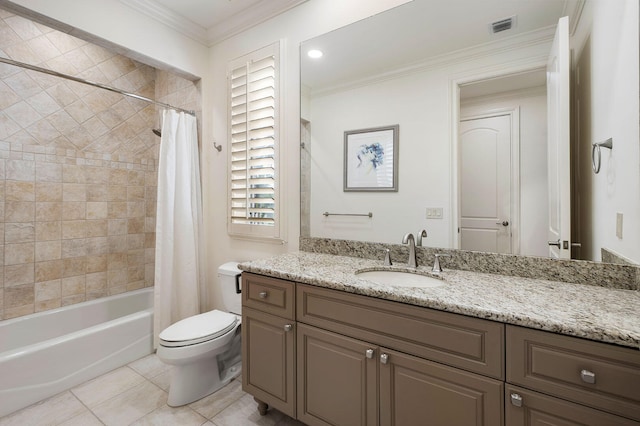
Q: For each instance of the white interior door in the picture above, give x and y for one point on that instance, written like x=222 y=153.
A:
x=485 y=184
x=558 y=119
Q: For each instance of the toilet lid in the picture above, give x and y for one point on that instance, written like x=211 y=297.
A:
x=198 y=328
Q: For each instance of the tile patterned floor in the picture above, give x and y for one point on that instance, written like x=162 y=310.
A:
x=137 y=395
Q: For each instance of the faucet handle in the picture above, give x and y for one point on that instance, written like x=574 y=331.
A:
x=422 y=233
x=436 y=262
x=387 y=258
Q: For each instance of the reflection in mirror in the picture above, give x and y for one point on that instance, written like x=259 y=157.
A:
x=471 y=106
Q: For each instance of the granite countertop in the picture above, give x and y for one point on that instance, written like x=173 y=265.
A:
x=591 y=312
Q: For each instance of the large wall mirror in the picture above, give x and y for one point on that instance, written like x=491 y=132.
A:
x=470 y=99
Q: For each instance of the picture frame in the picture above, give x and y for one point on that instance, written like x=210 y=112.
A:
x=371 y=159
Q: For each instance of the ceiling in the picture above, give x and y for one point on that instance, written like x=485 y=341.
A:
x=211 y=21
x=424 y=30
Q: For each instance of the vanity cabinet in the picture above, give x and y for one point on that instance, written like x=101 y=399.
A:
x=585 y=382
x=268 y=342
x=344 y=379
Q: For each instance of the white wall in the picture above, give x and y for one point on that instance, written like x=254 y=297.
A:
x=301 y=23
x=608 y=87
x=533 y=161
x=421 y=104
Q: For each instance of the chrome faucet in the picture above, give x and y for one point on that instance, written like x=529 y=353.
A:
x=421 y=234
x=408 y=239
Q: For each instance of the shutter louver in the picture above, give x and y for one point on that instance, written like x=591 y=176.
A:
x=253 y=142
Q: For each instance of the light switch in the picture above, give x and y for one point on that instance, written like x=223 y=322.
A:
x=619 y=225
x=434 y=212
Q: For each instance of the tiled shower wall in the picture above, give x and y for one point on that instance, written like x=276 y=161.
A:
x=77 y=169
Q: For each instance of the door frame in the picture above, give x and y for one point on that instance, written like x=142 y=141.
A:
x=455 y=82
x=514 y=189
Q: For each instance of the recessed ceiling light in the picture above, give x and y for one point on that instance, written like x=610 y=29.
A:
x=315 y=53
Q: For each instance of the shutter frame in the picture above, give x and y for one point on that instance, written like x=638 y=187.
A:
x=253 y=108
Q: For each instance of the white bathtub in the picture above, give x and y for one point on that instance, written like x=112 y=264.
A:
x=46 y=353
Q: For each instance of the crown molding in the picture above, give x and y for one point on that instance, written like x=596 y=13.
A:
x=532 y=38
x=169 y=18
x=248 y=18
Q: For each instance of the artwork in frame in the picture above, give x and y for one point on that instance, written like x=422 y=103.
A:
x=371 y=159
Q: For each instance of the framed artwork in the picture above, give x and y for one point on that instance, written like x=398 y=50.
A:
x=371 y=159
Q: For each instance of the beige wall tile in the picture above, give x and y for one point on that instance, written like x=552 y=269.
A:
x=97 y=210
x=97 y=175
x=136 y=177
x=21 y=170
x=96 y=282
x=18 y=274
x=74 y=266
x=117 y=278
x=72 y=300
x=117 y=243
x=97 y=246
x=118 y=177
x=19 y=253
x=97 y=192
x=74 y=192
x=96 y=228
x=117 y=210
x=45 y=305
x=150 y=240
x=117 y=227
x=73 y=285
x=74 y=210
x=48 y=211
x=73 y=229
x=18 y=311
x=49 y=172
x=135 y=193
x=117 y=261
x=49 y=270
x=74 y=248
x=19 y=211
x=19 y=191
x=135 y=241
x=48 y=191
x=97 y=263
x=135 y=285
x=149 y=274
x=135 y=273
x=48 y=231
x=48 y=290
x=117 y=193
x=18 y=296
x=19 y=232
x=136 y=209
x=135 y=257
x=48 y=250
x=72 y=173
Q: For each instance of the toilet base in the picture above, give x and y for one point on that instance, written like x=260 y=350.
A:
x=192 y=382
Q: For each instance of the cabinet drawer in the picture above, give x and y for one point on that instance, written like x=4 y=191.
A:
x=469 y=343
x=524 y=407
x=270 y=295
x=564 y=366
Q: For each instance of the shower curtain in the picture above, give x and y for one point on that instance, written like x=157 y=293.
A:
x=179 y=290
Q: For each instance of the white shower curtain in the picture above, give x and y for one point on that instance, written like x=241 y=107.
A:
x=179 y=281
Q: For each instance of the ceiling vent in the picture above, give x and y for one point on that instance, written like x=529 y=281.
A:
x=503 y=25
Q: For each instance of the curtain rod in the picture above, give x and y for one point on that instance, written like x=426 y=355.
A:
x=90 y=83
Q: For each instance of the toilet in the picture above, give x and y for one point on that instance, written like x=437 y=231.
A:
x=205 y=349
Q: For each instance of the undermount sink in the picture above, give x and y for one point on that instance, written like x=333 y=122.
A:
x=401 y=278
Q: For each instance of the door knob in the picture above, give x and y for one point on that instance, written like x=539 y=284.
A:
x=554 y=243
x=503 y=223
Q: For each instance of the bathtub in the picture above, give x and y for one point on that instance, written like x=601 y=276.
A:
x=48 y=352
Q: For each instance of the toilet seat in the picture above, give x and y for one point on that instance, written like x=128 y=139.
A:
x=198 y=328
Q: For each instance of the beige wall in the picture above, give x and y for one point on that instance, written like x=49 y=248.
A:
x=77 y=170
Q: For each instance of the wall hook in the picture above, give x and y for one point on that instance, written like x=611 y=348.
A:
x=216 y=146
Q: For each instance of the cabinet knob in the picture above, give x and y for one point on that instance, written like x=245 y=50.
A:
x=588 y=376
x=288 y=327
x=369 y=353
x=263 y=295
x=516 y=400
x=384 y=358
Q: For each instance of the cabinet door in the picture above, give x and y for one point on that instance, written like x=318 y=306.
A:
x=529 y=408
x=337 y=379
x=268 y=359
x=414 y=391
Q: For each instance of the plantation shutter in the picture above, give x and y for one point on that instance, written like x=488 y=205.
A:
x=254 y=134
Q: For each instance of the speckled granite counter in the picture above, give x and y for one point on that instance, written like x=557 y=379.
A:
x=591 y=312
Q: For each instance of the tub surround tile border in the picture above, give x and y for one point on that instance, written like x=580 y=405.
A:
x=587 y=311
x=620 y=276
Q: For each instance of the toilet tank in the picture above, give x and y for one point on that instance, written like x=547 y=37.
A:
x=231 y=299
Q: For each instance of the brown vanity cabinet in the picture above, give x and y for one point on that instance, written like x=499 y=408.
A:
x=268 y=342
x=329 y=357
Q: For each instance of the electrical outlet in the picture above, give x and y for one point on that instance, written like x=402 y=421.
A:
x=434 y=212
x=619 y=225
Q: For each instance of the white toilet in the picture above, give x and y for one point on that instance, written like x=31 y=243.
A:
x=205 y=349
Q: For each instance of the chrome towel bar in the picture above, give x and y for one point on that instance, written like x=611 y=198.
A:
x=596 y=155
x=325 y=214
